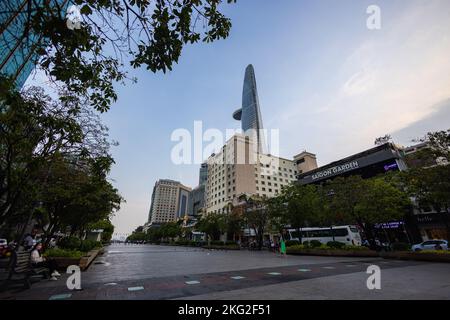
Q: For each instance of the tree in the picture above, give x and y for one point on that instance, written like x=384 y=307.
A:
x=440 y=143
x=34 y=130
x=382 y=202
x=54 y=161
x=212 y=224
x=77 y=195
x=276 y=208
x=256 y=216
x=430 y=187
x=106 y=226
x=383 y=140
x=234 y=224
x=326 y=215
x=366 y=202
x=153 y=235
x=437 y=150
x=170 y=230
x=136 y=236
x=152 y=33
x=302 y=204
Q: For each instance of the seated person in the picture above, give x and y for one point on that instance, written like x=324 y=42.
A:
x=37 y=260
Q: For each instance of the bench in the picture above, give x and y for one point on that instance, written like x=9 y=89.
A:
x=20 y=269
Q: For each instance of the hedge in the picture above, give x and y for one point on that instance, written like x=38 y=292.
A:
x=56 y=252
x=74 y=243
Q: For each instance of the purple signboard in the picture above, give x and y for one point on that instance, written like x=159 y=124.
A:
x=389 y=225
x=390 y=167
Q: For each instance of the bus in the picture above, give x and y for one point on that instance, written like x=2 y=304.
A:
x=345 y=234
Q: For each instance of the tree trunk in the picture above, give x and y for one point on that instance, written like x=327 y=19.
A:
x=369 y=235
x=260 y=239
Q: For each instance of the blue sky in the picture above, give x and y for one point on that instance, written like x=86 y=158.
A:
x=327 y=82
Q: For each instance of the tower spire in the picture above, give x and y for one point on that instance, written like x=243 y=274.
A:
x=250 y=113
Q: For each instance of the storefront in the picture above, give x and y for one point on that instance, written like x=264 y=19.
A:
x=392 y=232
x=433 y=225
x=366 y=164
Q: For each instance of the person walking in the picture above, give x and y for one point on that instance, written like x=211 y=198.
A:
x=283 y=247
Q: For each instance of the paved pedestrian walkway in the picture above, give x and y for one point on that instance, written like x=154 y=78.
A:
x=163 y=272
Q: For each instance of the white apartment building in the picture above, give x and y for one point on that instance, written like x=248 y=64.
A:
x=169 y=201
x=238 y=169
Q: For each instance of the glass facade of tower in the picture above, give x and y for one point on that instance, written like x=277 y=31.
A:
x=250 y=114
x=17 y=58
x=203 y=174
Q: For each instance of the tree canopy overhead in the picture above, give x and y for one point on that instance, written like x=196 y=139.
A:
x=54 y=162
x=88 y=60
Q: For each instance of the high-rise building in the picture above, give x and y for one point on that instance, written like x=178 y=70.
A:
x=238 y=170
x=197 y=200
x=203 y=174
x=17 y=47
x=250 y=113
x=198 y=194
x=242 y=166
x=169 y=201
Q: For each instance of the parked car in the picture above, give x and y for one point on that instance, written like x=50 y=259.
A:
x=437 y=244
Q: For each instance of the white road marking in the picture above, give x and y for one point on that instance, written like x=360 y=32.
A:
x=237 y=277
x=135 y=288
x=60 y=296
x=274 y=273
x=192 y=282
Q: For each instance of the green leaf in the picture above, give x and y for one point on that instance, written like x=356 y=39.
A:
x=86 y=10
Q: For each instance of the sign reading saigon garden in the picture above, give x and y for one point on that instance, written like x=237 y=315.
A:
x=336 y=170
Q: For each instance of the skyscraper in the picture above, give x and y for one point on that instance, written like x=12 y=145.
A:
x=250 y=114
x=263 y=177
x=203 y=174
x=18 y=47
x=169 y=201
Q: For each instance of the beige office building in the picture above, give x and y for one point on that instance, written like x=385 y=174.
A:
x=239 y=169
x=169 y=201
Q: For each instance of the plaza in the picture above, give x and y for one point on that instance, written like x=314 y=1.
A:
x=151 y=272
